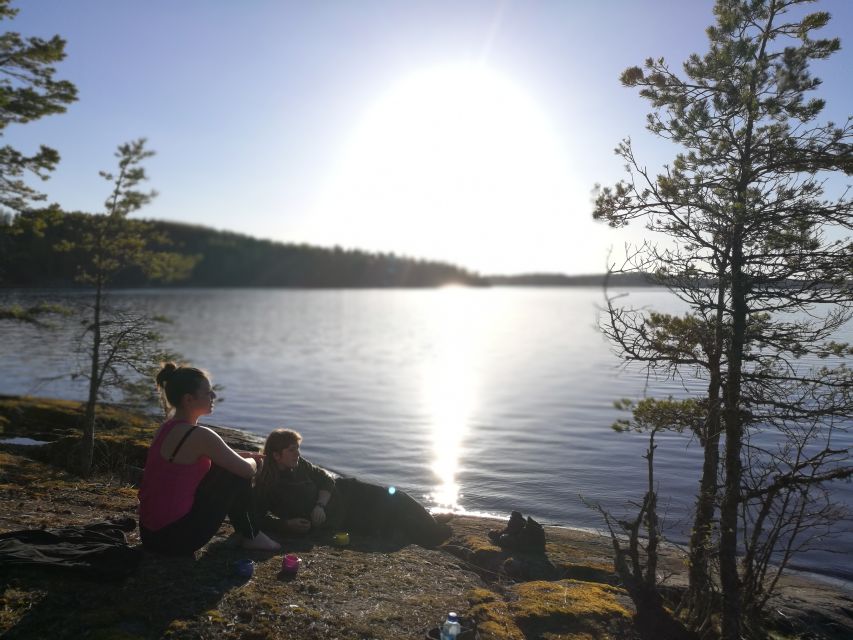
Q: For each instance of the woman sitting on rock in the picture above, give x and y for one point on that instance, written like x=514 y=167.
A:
x=192 y=479
x=294 y=496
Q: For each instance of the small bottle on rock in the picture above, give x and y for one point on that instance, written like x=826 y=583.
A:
x=451 y=627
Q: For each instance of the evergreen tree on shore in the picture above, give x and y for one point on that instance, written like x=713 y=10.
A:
x=745 y=205
x=28 y=91
x=121 y=345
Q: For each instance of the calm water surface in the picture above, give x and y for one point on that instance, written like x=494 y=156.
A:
x=480 y=400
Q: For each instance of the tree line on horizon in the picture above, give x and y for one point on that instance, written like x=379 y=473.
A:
x=29 y=259
x=219 y=259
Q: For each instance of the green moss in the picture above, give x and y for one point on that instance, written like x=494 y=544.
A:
x=562 y=609
x=592 y=572
x=494 y=620
x=567 y=609
x=477 y=544
x=479 y=596
x=567 y=598
x=176 y=627
x=14 y=604
x=215 y=616
x=505 y=629
x=27 y=415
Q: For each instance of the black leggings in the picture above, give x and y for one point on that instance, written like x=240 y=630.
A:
x=220 y=493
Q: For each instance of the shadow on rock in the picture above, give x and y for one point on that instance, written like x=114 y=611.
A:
x=157 y=597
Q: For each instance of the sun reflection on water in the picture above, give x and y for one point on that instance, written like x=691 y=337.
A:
x=450 y=382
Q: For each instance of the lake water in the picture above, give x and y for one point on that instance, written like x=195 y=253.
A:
x=479 y=400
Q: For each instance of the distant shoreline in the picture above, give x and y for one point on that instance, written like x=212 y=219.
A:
x=524 y=280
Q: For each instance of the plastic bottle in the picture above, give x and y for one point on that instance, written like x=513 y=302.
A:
x=451 y=627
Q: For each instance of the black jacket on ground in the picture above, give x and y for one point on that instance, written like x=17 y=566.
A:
x=97 y=550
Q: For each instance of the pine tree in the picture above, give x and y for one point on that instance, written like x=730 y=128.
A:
x=759 y=253
x=120 y=343
x=28 y=92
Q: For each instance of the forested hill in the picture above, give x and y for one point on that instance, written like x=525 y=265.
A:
x=29 y=258
x=224 y=259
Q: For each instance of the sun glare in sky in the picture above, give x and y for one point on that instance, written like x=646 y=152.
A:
x=453 y=163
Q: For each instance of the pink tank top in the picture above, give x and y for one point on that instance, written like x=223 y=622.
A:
x=168 y=488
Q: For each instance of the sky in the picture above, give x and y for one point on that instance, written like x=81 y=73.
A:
x=468 y=131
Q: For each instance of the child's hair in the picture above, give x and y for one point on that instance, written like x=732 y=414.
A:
x=176 y=381
x=277 y=440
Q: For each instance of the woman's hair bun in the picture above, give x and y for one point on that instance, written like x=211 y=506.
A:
x=166 y=372
x=175 y=381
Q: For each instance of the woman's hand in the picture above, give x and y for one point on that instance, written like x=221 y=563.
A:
x=299 y=525
x=254 y=455
x=318 y=515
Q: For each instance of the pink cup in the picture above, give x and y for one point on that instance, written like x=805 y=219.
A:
x=290 y=563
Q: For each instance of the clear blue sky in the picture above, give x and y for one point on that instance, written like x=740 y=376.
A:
x=469 y=131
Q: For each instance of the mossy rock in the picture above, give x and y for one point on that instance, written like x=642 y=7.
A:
x=589 y=573
x=570 y=607
x=112 y=455
x=122 y=436
x=494 y=563
x=569 y=598
x=551 y=609
x=51 y=419
x=39 y=418
x=493 y=616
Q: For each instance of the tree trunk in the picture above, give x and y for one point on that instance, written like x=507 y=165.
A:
x=729 y=578
x=699 y=572
x=652 y=519
x=732 y=622
x=699 y=594
x=87 y=444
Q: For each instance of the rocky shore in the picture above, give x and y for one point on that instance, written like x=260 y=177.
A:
x=367 y=589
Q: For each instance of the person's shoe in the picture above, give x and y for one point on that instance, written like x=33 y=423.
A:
x=514 y=527
x=261 y=542
x=532 y=537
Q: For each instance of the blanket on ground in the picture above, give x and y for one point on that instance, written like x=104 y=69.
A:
x=97 y=550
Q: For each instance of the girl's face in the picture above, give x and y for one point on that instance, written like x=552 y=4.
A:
x=287 y=458
x=200 y=403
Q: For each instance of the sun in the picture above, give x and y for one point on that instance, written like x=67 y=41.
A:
x=455 y=163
